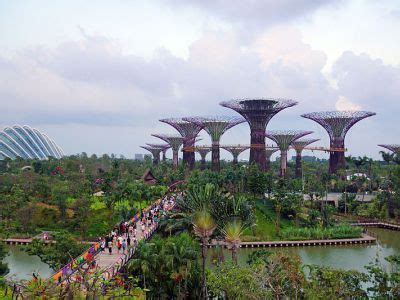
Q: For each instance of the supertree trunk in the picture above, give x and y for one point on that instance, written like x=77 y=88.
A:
x=155 y=160
x=283 y=168
x=267 y=164
x=298 y=171
x=215 y=165
x=164 y=156
x=257 y=150
x=203 y=163
x=235 y=159
x=175 y=158
x=336 y=158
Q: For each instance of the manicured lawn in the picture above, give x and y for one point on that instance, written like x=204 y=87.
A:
x=265 y=229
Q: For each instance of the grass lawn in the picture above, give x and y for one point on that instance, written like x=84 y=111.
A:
x=265 y=229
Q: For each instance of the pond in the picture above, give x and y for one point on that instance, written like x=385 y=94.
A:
x=22 y=265
x=353 y=257
x=348 y=257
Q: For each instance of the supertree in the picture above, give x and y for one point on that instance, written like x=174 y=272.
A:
x=268 y=154
x=299 y=146
x=155 y=152
x=175 y=141
x=392 y=147
x=258 y=112
x=235 y=150
x=215 y=127
x=284 y=138
x=203 y=151
x=189 y=131
x=337 y=124
x=164 y=147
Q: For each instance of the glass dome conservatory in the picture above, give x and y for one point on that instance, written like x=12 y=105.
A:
x=27 y=143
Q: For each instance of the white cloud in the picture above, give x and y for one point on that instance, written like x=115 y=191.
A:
x=344 y=104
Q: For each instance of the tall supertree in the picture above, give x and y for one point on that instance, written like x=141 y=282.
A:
x=392 y=147
x=215 y=127
x=235 y=150
x=203 y=151
x=299 y=146
x=258 y=112
x=337 y=124
x=284 y=138
x=268 y=154
x=164 y=147
x=189 y=131
x=155 y=151
x=175 y=141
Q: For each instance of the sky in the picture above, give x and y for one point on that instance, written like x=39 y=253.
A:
x=97 y=75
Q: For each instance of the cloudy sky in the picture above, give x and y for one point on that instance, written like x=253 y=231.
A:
x=97 y=75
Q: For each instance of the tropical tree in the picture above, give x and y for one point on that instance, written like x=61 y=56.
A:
x=233 y=233
x=203 y=226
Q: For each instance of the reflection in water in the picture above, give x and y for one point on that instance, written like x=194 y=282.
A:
x=353 y=257
x=22 y=265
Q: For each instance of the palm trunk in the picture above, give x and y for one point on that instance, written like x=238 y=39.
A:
x=203 y=271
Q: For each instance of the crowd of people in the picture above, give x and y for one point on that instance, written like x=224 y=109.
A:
x=128 y=233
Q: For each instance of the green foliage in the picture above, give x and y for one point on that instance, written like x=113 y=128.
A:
x=3 y=267
x=328 y=283
x=58 y=253
x=168 y=267
x=308 y=233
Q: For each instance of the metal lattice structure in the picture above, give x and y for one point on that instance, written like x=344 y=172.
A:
x=268 y=153
x=284 y=138
x=203 y=151
x=235 y=150
x=189 y=131
x=258 y=113
x=164 y=147
x=215 y=127
x=395 y=148
x=155 y=152
x=175 y=141
x=337 y=124
x=299 y=146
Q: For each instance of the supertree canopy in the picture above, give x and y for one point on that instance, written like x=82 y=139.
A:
x=392 y=147
x=268 y=154
x=164 y=147
x=299 y=145
x=189 y=131
x=284 y=138
x=175 y=141
x=215 y=127
x=235 y=150
x=203 y=151
x=258 y=112
x=155 y=151
x=337 y=124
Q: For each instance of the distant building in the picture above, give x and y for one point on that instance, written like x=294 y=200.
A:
x=27 y=143
x=139 y=156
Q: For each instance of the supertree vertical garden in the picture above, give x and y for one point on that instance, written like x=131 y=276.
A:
x=268 y=154
x=284 y=138
x=203 y=151
x=175 y=141
x=299 y=146
x=235 y=150
x=392 y=147
x=258 y=112
x=155 y=151
x=215 y=127
x=164 y=147
x=337 y=124
x=189 y=132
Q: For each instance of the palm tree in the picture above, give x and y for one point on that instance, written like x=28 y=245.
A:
x=144 y=261
x=233 y=232
x=204 y=226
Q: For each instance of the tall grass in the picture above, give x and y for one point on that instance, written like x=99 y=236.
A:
x=341 y=231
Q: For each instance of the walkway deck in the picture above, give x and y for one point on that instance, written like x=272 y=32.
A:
x=365 y=239
x=391 y=226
